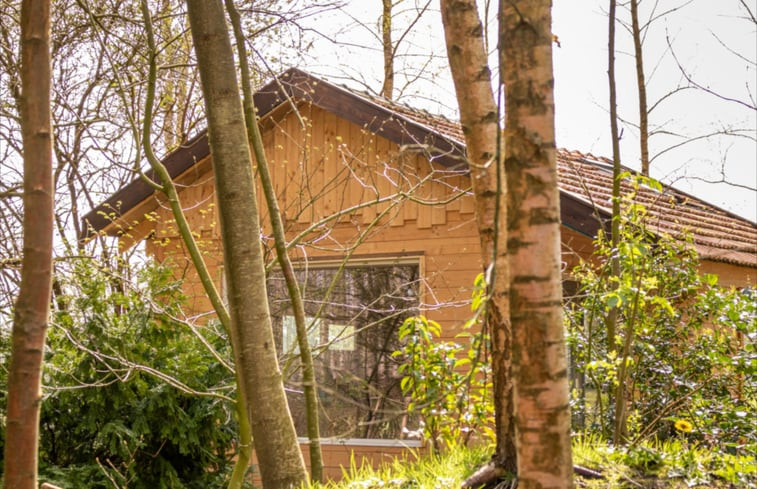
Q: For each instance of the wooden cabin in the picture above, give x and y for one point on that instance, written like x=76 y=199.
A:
x=377 y=207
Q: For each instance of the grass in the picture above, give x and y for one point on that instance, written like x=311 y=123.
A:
x=428 y=472
x=664 y=465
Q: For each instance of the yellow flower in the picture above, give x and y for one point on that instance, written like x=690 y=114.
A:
x=683 y=426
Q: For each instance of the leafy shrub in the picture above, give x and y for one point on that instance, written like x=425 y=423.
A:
x=674 y=463
x=685 y=347
x=132 y=397
x=449 y=384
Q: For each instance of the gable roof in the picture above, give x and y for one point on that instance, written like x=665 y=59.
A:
x=585 y=180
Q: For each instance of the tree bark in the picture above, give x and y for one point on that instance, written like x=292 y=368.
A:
x=33 y=304
x=279 y=457
x=244 y=456
x=539 y=358
x=479 y=118
x=620 y=425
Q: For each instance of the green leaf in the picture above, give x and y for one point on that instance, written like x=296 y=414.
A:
x=613 y=300
x=665 y=304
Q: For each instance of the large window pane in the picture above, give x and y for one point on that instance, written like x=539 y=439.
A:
x=353 y=315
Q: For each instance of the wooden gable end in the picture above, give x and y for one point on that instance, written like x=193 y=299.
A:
x=328 y=171
x=355 y=158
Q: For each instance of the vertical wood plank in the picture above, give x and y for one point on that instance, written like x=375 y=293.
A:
x=306 y=167
x=330 y=170
x=291 y=137
x=438 y=211
x=386 y=154
x=343 y=185
x=370 y=191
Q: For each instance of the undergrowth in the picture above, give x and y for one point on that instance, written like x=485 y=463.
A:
x=668 y=464
x=664 y=465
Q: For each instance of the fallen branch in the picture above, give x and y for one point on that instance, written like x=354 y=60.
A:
x=587 y=472
x=488 y=475
x=493 y=475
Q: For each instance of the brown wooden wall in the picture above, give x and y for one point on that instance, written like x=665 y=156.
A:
x=730 y=275
x=338 y=457
x=326 y=166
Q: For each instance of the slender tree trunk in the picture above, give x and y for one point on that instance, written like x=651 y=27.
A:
x=612 y=315
x=310 y=385
x=478 y=115
x=173 y=83
x=275 y=440
x=244 y=456
x=642 y=87
x=540 y=369
x=387 y=90
x=33 y=304
x=620 y=428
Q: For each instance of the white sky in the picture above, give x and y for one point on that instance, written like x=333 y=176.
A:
x=701 y=33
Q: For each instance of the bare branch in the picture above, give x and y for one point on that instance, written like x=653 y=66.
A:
x=687 y=76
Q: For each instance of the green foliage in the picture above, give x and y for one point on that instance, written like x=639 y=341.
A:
x=687 y=345
x=132 y=397
x=449 y=384
x=674 y=463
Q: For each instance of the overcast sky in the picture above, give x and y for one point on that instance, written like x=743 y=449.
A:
x=713 y=41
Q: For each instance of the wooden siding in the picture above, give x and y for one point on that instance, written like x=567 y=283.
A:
x=730 y=275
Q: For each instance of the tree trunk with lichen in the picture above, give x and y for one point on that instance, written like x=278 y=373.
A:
x=244 y=455
x=279 y=457
x=32 y=307
x=540 y=370
x=479 y=118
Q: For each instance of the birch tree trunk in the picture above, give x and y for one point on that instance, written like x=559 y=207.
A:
x=33 y=304
x=479 y=118
x=539 y=358
x=279 y=457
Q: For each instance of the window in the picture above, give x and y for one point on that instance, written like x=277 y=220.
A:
x=353 y=316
